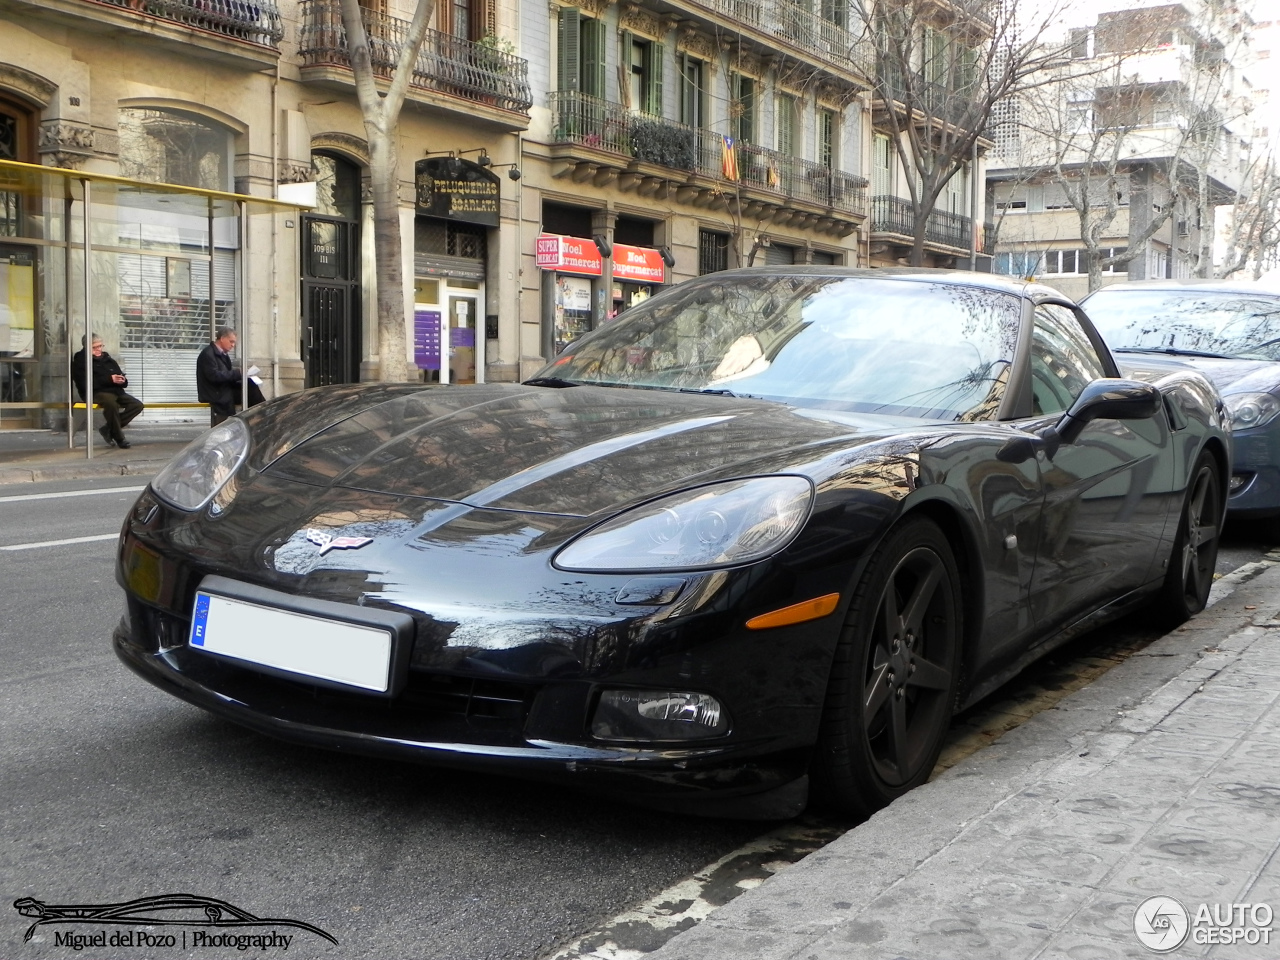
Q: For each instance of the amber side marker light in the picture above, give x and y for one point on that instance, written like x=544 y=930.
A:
x=796 y=613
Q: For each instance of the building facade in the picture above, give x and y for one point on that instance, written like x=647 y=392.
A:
x=557 y=164
x=1141 y=138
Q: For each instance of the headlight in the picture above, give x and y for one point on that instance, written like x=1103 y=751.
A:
x=193 y=477
x=718 y=525
x=1251 y=409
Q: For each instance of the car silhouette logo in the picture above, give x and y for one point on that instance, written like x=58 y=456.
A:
x=327 y=542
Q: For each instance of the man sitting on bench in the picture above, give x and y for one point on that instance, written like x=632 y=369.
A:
x=109 y=382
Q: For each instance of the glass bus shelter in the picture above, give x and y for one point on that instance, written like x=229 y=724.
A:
x=150 y=268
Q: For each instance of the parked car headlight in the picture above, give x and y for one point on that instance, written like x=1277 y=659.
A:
x=197 y=473
x=721 y=524
x=1251 y=409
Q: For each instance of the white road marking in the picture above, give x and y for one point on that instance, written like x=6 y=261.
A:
x=59 y=543
x=72 y=493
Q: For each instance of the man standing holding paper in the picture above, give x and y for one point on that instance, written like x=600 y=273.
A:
x=218 y=380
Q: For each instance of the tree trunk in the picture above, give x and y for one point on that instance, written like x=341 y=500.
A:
x=388 y=252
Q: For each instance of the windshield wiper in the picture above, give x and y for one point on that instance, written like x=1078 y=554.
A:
x=551 y=382
x=1174 y=352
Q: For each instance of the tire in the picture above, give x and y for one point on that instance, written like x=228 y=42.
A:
x=1189 y=574
x=892 y=688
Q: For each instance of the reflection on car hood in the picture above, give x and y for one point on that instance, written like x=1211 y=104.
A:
x=571 y=451
x=1228 y=375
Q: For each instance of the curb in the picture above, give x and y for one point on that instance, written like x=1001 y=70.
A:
x=88 y=471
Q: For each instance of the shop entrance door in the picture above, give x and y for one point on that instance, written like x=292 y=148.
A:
x=330 y=302
x=330 y=337
x=462 y=339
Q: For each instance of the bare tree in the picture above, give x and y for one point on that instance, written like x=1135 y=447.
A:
x=381 y=113
x=1129 y=145
x=1253 y=225
x=941 y=67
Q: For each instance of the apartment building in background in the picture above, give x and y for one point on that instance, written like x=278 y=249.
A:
x=1150 y=115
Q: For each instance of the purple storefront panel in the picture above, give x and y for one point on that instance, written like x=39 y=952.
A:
x=426 y=339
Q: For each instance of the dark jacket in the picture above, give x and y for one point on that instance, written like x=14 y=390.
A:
x=217 y=380
x=103 y=368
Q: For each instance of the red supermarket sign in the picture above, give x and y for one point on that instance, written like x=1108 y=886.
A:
x=569 y=255
x=638 y=263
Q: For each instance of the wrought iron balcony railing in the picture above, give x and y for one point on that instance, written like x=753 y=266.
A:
x=460 y=68
x=797 y=22
x=255 y=21
x=611 y=127
x=894 y=215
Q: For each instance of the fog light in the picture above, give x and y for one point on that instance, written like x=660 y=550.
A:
x=657 y=715
x=1237 y=482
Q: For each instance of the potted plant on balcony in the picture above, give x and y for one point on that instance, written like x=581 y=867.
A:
x=490 y=56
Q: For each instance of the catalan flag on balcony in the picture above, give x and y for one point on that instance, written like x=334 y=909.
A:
x=729 y=158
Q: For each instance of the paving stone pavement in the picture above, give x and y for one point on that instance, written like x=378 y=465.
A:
x=42 y=455
x=1161 y=779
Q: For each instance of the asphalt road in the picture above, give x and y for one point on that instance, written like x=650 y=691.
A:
x=112 y=790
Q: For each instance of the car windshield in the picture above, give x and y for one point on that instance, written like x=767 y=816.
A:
x=1193 y=322
x=908 y=348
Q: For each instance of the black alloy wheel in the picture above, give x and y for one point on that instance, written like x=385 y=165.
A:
x=1195 y=549
x=893 y=682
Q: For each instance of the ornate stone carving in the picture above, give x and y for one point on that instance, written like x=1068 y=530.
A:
x=30 y=86
x=642 y=21
x=353 y=146
x=289 y=172
x=65 y=144
x=697 y=44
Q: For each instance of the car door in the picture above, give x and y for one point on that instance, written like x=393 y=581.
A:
x=1106 y=494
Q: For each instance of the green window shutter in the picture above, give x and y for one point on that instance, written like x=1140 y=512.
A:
x=656 y=51
x=593 y=57
x=626 y=52
x=570 y=49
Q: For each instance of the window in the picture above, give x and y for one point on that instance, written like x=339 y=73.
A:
x=692 y=92
x=786 y=122
x=1107 y=252
x=1064 y=261
x=827 y=138
x=836 y=11
x=642 y=60
x=882 y=166
x=1063 y=360
x=1079 y=116
x=1078 y=44
x=1023 y=263
x=168 y=146
x=713 y=252
x=582 y=57
x=956 y=194
x=742 y=110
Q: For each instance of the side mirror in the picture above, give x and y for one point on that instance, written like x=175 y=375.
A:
x=1105 y=400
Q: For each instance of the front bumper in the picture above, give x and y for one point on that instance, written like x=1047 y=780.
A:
x=481 y=725
x=1255 y=473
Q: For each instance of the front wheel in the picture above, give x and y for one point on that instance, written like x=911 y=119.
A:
x=893 y=681
x=1195 y=548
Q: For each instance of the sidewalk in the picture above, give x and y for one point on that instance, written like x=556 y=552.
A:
x=1160 y=779
x=35 y=455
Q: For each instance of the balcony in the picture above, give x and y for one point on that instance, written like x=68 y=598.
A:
x=893 y=215
x=492 y=82
x=797 y=24
x=611 y=135
x=935 y=101
x=244 y=32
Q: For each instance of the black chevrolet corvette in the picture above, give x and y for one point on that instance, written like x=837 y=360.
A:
x=752 y=541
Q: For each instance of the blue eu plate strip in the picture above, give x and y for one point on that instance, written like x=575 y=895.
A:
x=200 y=621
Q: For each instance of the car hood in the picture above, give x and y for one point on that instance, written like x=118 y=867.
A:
x=574 y=451
x=1228 y=375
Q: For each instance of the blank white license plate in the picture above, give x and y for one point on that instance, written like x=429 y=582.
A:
x=345 y=653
